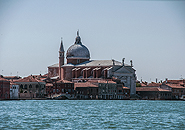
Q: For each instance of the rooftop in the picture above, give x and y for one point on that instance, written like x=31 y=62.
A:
x=84 y=84
x=151 y=89
x=29 y=79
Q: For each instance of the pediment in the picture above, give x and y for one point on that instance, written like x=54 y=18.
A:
x=123 y=70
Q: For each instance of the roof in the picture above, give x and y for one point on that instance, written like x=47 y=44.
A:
x=175 y=86
x=124 y=69
x=49 y=84
x=125 y=87
x=29 y=79
x=175 y=81
x=143 y=84
x=99 y=63
x=101 y=81
x=64 y=81
x=54 y=65
x=154 y=84
x=3 y=79
x=92 y=63
x=151 y=89
x=84 y=84
x=11 y=77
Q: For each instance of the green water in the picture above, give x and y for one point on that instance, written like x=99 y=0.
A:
x=92 y=114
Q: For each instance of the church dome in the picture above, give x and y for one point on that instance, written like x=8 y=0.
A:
x=77 y=50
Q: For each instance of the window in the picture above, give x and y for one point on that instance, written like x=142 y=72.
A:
x=21 y=86
x=25 y=91
x=54 y=90
x=37 y=86
x=30 y=86
x=25 y=86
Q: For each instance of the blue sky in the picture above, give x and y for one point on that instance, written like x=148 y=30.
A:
x=151 y=33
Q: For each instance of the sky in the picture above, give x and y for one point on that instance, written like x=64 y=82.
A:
x=150 y=33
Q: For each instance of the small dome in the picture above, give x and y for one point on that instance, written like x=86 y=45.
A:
x=78 y=50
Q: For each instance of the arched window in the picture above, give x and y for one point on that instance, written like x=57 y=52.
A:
x=25 y=86
x=21 y=86
x=30 y=86
x=25 y=91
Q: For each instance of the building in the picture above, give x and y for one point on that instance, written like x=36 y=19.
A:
x=153 y=93
x=14 y=91
x=79 y=67
x=123 y=92
x=56 y=87
x=86 y=90
x=178 y=90
x=31 y=87
x=4 y=88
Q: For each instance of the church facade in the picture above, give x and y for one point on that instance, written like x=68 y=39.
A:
x=79 y=67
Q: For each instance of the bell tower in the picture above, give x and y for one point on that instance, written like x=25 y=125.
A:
x=61 y=57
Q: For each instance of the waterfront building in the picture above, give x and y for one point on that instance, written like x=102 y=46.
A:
x=14 y=91
x=79 y=67
x=49 y=90
x=4 y=88
x=123 y=92
x=56 y=87
x=153 y=93
x=86 y=90
x=178 y=90
x=31 y=87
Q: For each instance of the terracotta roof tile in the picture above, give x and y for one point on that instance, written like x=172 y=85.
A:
x=101 y=81
x=3 y=79
x=175 y=81
x=151 y=89
x=175 y=86
x=84 y=84
x=49 y=84
x=29 y=79
x=64 y=81
x=154 y=84
x=125 y=87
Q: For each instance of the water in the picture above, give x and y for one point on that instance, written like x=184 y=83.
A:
x=92 y=114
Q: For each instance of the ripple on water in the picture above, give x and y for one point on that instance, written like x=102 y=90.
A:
x=95 y=114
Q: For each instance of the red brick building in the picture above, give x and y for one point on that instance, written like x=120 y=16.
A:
x=4 y=88
x=86 y=90
x=60 y=87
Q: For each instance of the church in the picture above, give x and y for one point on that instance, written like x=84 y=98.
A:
x=80 y=68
